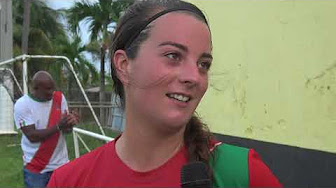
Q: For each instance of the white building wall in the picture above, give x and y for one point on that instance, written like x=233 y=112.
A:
x=6 y=112
x=6 y=52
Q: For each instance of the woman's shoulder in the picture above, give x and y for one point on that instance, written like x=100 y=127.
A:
x=75 y=171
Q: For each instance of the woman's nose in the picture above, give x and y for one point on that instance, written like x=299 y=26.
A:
x=189 y=74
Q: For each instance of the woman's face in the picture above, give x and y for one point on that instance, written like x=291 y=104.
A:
x=169 y=75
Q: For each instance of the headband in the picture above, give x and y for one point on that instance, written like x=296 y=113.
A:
x=154 y=17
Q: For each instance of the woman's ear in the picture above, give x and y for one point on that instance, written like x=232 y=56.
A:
x=121 y=65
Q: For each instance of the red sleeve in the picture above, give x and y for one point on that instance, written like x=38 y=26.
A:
x=259 y=174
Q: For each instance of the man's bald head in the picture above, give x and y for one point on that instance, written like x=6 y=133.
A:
x=43 y=85
x=41 y=76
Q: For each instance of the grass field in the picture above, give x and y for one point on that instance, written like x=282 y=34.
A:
x=10 y=161
x=11 y=154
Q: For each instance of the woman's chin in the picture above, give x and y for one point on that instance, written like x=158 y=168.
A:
x=176 y=123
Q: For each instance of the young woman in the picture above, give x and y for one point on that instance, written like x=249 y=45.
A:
x=161 y=55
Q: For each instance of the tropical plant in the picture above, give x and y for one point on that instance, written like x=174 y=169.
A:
x=48 y=36
x=75 y=51
x=44 y=29
x=101 y=17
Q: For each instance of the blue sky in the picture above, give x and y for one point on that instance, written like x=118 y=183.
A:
x=61 y=4
x=57 y=4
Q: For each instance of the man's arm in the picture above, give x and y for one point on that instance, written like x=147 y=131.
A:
x=38 y=135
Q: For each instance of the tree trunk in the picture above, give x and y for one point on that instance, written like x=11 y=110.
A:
x=24 y=44
x=102 y=85
x=25 y=29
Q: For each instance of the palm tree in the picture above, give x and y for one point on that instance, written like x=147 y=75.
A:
x=74 y=50
x=99 y=16
x=44 y=28
x=26 y=22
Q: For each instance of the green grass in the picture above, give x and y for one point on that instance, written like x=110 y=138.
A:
x=11 y=174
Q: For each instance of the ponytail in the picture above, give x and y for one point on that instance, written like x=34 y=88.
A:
x=197 y=139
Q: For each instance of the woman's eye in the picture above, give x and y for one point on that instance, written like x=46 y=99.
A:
x=173 y=56
x=205 y=65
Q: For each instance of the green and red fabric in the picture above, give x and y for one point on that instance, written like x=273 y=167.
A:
x=47 y=147
x=235 y=166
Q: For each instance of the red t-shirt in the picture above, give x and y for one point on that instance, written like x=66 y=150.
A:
x=103 y=168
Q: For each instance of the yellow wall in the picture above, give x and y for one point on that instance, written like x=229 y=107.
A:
x=274 y=71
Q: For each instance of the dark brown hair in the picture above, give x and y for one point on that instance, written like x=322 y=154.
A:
x=134 y=28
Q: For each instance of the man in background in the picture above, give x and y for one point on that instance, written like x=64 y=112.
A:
x=43 y=119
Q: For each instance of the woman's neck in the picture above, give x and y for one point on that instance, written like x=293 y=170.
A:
x=143 y=148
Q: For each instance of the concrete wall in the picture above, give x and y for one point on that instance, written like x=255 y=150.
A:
x=274 y=71
x=6 y=31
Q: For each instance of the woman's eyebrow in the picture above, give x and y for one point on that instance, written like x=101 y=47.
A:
x=184 y=48
x=206 y=55
x=177 y=45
